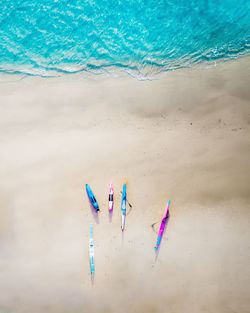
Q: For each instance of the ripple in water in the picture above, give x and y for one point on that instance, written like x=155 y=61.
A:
x=146 y=37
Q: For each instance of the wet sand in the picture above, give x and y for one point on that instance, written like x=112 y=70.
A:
x=184 y=137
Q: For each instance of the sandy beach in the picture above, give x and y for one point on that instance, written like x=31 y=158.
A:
x=183 y=137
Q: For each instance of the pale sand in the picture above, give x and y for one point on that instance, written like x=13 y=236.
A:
x=185 y=137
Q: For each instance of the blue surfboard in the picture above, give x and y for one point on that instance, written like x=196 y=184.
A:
x=92 y=198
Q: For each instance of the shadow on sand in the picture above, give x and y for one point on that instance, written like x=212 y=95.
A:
x=92 y=279
x=110 y=216
x=123 y=237
x=94 y=213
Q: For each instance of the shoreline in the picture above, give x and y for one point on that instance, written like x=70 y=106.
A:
x=183 y=138
x=117 y=72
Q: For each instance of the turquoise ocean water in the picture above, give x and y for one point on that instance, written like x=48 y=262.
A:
x=143 y=37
